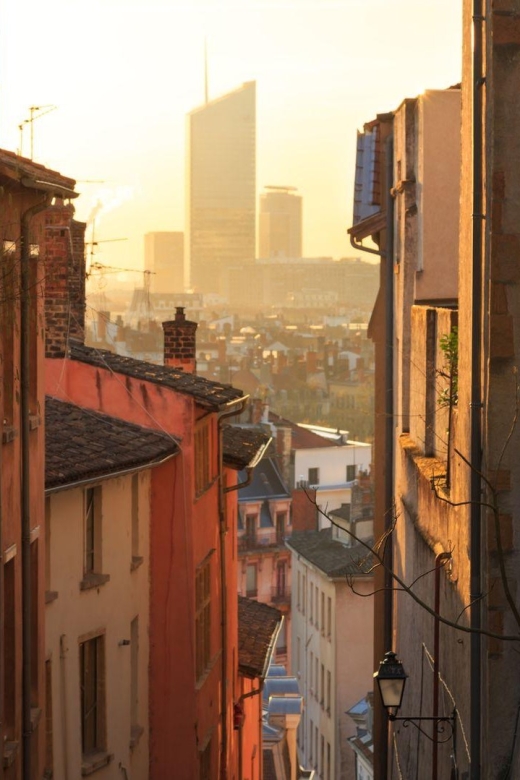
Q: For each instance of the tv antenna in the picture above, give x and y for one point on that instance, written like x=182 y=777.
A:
x=35 y=112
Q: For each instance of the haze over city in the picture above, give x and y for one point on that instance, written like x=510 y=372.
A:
x=123 y=76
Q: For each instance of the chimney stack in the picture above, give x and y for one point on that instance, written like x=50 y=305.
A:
x=180 y=342
x=64 y=263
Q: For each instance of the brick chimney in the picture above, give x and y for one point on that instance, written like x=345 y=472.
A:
x=64 y=262
x=180 y=342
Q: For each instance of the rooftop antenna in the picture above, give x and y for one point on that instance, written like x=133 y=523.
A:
x=35 y=112
x=206 y=70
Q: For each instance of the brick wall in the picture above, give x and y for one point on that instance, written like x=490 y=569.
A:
x=64 y=260
x=180 y=342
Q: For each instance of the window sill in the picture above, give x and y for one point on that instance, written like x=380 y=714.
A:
x=9 y=434
x=137 y=560
x=10 y=753
x=92 y=763
x=50 y=596
x=135 y=735
x=90 y=581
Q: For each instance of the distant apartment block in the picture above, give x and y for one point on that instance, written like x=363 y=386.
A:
x=280 y=223
x=164 y=259
x=221 y=181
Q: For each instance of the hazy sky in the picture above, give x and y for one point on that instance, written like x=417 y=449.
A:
x=124 y=73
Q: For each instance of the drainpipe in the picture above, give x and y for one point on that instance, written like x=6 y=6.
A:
x=388 y=255
x=476 y=400
x=25 y=369
x=440 y=560
x=227 y=410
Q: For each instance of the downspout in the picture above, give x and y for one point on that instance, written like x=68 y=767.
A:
x=227 y=410
x=25 y=369
x=476 y=401
x=388 y=255
x=440 y=561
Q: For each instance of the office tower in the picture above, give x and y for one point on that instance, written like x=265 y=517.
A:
x=221 y=180
x=164 y=257
x=280 y=223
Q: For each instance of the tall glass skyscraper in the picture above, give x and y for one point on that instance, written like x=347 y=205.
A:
x=221 y=182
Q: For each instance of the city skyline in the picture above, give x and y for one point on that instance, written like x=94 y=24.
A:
x=119 y=127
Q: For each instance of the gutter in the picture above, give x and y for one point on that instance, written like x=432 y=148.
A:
x=112 y=475
x=56 y=190
x=249 y=468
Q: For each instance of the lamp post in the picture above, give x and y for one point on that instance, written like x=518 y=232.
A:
x=391 y=679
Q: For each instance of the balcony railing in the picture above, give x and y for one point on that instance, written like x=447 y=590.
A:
x=281 y=595
x=258 y=543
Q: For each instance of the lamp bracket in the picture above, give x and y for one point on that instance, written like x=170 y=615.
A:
x=440 y=723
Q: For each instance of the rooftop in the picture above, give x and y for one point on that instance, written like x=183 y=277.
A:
x=302 y=438
x=266 y=483
x=18 y=168
x=258 y=626
x=82 y=445
x=242 y=447
x=210 y=395
x=331 y=557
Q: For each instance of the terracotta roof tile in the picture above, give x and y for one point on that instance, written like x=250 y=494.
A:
x=257 y=626
x=332 y=557
x=206 y=393
x=81 y=444
x=242 y=446
x=302 y=439
x=16 y=167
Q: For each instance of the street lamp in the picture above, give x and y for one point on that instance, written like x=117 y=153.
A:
x=391 y=678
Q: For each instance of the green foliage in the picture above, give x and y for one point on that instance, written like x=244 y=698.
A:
x=449 y=344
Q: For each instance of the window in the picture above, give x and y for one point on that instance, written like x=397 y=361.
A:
x=49 y=755
x=322 y=756
x=304 y=593
x=298 y=656
x=203 y=618
x=92 y=684
x=311 y=741
x=251 y=522
x=311 y=602
x=281 y=642
x=322 y=613
x=134 y=677
x=316 y=734
x=251 y=580
x=314 y=476
x=9 y=648
x=299 y=592
x=327 y=773
x=280 y=526
x=136 y=559
x=351 y=473
x=322 y=685
x=92 y=520
x=316 y=692
x=281 y=573
x=312 y=671
x=317 y=605
x=329 y=616
x=203 y=475
x=205 y=763
x=327 y=699
x=92 y=568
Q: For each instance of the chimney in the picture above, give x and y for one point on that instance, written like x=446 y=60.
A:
x=64 y=262
x=180 y=342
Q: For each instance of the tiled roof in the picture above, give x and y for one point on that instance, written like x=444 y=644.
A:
x=266 y=483
x=242 y=446
x=206 y=393
x=257 y=629
x=302 y=439
x=81 y=444
x=16 y=167
x=332 y=557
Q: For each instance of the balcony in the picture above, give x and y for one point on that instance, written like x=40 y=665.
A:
x=281 y=595
x=249 y=542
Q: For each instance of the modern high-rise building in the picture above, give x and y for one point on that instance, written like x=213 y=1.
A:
x=164 y=258
x=280 y=223
x=221 y=182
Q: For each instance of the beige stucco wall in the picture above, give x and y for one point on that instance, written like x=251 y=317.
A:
x=346 y=654
x=109 y=608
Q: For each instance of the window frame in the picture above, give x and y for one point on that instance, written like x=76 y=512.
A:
x=95 y=742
